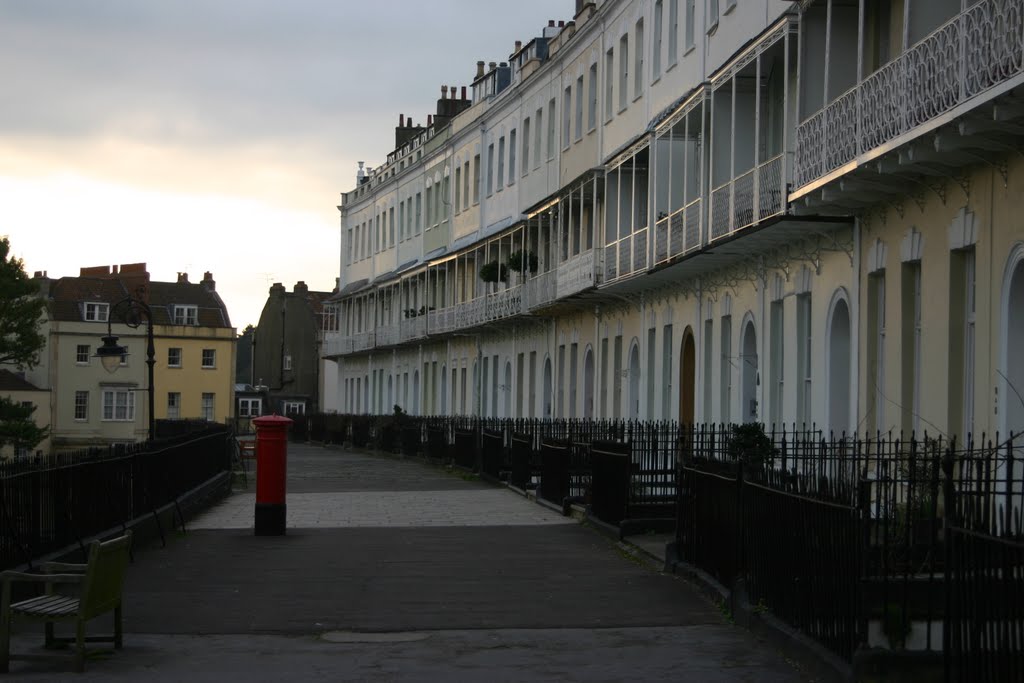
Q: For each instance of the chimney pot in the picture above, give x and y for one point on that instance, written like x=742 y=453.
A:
x=430 y=120
x=451 y=91
x=551 y=23
x=492 y=65
x=561 y=23
x=479 y=69
x=182 y=278
x=401 y=120
x=519 y=45
x=444 y=92
x=463 y=92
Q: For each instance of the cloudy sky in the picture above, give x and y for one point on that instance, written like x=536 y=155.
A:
x=216 y=135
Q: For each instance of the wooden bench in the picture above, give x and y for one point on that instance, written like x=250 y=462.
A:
x=99 y=584
x=247 y=449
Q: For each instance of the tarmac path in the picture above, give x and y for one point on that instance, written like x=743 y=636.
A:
x=392 y=570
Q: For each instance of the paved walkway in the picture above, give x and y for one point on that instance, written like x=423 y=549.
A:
x=395 y=571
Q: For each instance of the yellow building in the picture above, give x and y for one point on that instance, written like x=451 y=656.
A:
x=195 y=351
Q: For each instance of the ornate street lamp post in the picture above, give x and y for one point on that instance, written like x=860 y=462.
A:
x=133 y=312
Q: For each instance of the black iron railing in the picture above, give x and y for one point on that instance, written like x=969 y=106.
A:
x=50 y=504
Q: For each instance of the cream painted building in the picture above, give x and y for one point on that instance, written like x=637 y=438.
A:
x=717 y=211
x=90 y=406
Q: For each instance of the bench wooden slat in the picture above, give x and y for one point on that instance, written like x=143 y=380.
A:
x=47 y=605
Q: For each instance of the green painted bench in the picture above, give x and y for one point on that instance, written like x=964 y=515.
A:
x=98 y=584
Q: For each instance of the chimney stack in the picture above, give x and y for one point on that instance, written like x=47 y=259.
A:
x=519 y=45
x=430 y=120
x=551 y=23
x=182 y=278
x=209 y=282
x=561 y=23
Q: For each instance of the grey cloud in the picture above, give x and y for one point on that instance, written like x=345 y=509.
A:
x=202 y=72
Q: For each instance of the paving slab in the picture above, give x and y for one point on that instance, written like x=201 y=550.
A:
x=393 y=570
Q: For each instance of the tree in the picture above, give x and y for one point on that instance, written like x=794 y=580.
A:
x=20 y=312
x=17 y=428
x=20 y=343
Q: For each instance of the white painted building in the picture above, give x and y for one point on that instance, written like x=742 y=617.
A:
x=708 y=210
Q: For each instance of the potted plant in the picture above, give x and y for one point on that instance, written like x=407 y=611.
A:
x=492 y=271
x=522 y=260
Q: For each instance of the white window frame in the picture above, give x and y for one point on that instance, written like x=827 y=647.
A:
x=170 y=360
x=712 y=22
x=623 y=72
x=213 y=359
x=186 y=315
x=673 y=36
x=298 y=407
x=638 y=56
x=117 y=401
x=250 y=407
x=207 y=406
x=173 y=405
x=288 y=361
x=656 y=43
x=96 y=312
x=512 y=156
x=81 y=402
x=592 y=98
x=82 y=354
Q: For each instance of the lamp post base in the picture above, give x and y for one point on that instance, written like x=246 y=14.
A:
x=270 y=519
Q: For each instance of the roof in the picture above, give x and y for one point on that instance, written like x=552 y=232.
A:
x=68 y=294
x=12 y=382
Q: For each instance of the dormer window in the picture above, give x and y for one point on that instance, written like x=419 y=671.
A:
x=97 y=312
x=186 y=315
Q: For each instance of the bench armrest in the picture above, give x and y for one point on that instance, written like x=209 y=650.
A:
x=63 y=566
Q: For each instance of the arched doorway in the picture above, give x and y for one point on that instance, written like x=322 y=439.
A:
x=588 y=383
x=633 y=409
x=444 y=390
x=748 y=374
x=687 y=378
x=1013 y=341
x=839 y=345
x=416 y=392
x=506 y=391
x=546 y=398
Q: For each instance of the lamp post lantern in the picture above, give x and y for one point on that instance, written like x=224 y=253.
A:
x=133 y=312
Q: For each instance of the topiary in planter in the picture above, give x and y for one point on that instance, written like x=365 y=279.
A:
x=750 y=445
x=521 y=260
x=493 y=271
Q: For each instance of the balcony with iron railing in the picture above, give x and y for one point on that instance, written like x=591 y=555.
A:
x=626 y=256
x=387 y=335
x=578 y=273
x=362 y=341
x=540 y=290
x=337 y=344
x=971 y=58
x=413 y=328
x=748 y=199
x=678 y=233
x=504 y=304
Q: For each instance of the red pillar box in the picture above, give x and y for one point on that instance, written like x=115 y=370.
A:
x=271 y=471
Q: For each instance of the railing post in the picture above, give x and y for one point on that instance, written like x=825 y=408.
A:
x=949 y=575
